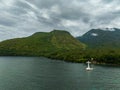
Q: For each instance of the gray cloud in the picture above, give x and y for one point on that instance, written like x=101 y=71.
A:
x=20 y=18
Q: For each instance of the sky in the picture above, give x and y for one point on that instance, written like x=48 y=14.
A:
x=21 y=18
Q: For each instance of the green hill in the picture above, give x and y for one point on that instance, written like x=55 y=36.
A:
x=98 y=38
x=103 y=45
x=55 y=44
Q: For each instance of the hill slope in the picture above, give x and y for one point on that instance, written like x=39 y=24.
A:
x=41 y=44
x=110 y=37
x=103 y=45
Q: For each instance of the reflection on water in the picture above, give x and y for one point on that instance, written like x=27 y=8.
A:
x=37 y=73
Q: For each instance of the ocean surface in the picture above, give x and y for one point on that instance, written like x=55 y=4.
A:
x=39 y=73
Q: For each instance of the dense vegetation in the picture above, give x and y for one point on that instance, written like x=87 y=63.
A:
x=61 y=45
x=103 y=45
x=98 y=38
x=55 y=44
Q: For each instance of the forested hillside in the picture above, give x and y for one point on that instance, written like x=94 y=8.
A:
x=56 y=44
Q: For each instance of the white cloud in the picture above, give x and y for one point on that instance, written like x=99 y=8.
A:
x=30 y=4
x=69 y=23
x=6 y=3
x=20 y=18
x=55 y=9
x=94 y=34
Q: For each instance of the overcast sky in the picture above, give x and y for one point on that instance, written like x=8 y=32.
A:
x=19 y=18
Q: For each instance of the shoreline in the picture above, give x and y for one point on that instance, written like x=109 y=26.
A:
x=69 y=61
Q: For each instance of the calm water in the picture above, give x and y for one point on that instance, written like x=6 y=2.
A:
x=35 y=73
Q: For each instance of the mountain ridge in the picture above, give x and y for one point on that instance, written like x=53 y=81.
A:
x=97 y=38
x=54 y=44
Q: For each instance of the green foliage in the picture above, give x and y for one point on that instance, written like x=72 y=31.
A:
x=104 y=55
x=104 y=38
x=59 y=45
x=104 y=48
x=56 y=44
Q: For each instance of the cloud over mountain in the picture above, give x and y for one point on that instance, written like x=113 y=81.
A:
x=20 y=18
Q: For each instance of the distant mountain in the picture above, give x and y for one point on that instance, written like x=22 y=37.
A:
x=41 y=44
x=108 y=38
x=103 y=46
